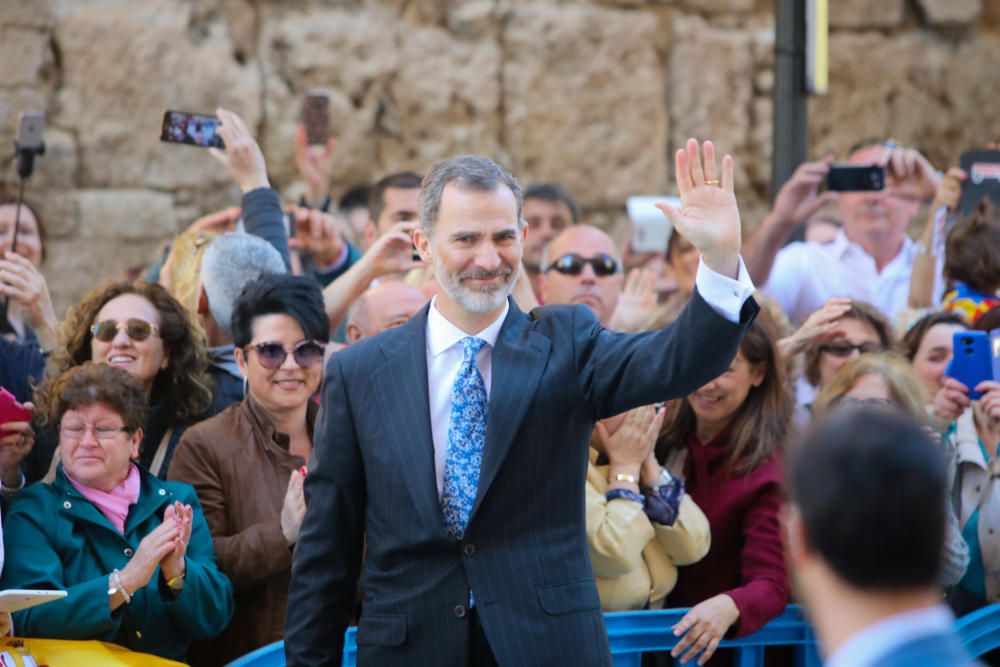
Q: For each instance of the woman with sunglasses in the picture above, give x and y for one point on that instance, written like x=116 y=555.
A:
x=140 y=328
x=133 y=552
x=830 y=338
x=887 y=380
x=245 y=462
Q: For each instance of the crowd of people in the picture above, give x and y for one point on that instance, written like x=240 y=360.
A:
x=184 y=424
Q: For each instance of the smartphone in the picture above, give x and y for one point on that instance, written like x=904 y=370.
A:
x=193 y=129
x=972 y=361
x=30 y=127
x=855 y=178
x=316 y=117
x=983 y=168
x=651 y=229
x=11 y=410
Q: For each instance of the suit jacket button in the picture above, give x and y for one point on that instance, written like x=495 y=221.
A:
x=469 y=549
x=128 y=552
x=460 y=611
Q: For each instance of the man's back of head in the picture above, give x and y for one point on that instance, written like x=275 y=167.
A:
x=866 y=534
x=231 y=262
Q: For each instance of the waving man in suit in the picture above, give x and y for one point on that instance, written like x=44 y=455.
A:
x=455 y=446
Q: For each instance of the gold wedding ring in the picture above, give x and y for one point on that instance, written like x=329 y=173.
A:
x=714 y=181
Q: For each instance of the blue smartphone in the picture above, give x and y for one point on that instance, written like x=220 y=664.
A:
x=972 y=360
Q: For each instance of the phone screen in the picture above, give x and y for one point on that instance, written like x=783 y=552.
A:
x=316 y=117
x=193 y=129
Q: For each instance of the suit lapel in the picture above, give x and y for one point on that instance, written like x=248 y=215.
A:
x=517 y=365
x=401 y=385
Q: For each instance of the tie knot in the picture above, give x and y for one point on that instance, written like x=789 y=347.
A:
x=472 y=346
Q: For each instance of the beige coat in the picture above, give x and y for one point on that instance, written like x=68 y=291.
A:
x=977 y=486
x=635 y=560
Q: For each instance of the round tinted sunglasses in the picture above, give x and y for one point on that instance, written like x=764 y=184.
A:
x=272 y=356
x=571 y=264
x=136 y=329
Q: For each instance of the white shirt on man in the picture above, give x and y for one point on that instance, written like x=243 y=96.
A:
x=807 y=274
x=445 y=352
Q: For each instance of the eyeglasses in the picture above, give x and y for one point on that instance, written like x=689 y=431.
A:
x=74 y=431
x=272 y=355
x=136 y=329
x=856 y=403
x=842 y=348
x=571 y=264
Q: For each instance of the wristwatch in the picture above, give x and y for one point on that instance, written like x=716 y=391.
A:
x=664 y=478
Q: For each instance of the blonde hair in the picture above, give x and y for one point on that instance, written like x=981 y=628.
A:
x=905 y=387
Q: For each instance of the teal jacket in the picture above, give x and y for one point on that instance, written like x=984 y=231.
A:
x=55 y=539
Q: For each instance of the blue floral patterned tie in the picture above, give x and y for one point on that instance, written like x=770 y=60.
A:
x=466 y=437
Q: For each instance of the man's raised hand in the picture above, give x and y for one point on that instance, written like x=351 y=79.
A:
x=709 y=217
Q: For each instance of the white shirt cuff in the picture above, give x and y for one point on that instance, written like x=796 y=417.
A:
x=725 y=295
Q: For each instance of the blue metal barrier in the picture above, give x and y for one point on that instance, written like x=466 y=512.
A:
x=980 y=630
x=631 y=633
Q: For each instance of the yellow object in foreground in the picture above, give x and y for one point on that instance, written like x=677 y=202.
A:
x=18 y=652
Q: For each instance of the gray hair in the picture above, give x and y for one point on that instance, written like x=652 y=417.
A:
x=471 y=172
x=230 y=262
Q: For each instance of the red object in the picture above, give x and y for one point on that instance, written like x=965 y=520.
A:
x=11 y=410
x=303 y=471
x=746 y=560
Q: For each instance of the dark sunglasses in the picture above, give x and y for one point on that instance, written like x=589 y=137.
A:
x=844 y=349
x=272 y=356
x=136 y=329
x=572 y=264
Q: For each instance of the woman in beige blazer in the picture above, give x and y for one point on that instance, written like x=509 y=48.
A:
x=640 y=523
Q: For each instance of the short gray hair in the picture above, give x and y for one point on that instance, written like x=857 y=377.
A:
x=471 y=172
x=232 y=261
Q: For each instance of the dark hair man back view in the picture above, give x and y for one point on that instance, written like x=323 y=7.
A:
x=865 y=536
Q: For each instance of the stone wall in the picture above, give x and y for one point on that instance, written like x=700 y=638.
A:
x=594 y=94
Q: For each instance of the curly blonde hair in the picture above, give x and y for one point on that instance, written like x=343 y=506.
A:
x=183 y=385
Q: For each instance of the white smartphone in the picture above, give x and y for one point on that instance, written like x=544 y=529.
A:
x=16 y=599
x=650 y=227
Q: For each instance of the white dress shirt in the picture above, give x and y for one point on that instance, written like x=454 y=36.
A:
x=807 y=274
x=445 y=352
x=868 y=647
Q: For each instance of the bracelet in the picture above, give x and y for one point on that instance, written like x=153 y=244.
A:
x=176 y=583
x=623 y=477
x=627 y=494
x=8 y=492
x=118 y=587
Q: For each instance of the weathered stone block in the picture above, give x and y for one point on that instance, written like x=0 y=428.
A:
x=950 y=12
x=866 y=14
x=126 y=215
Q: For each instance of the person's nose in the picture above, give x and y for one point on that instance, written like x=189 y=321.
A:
x=487 y=257
x=289 y=363
x=121 y=339
x=588 y=276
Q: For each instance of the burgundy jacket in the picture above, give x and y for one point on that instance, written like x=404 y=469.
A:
x=746 y=560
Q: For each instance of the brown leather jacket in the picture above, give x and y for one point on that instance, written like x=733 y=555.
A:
x=240 y=465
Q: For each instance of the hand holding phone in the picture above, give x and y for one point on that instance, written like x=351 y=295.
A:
x=11 y=410
x=242 y=156
x=973 y=359
x=651 y=229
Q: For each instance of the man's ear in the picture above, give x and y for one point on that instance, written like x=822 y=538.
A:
x=796 y=540
x=353 y=333
x=202 y=307
x=423 y=243
x=370 y=231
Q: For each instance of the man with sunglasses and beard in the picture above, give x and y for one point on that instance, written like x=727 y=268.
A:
x=246 y=462
x=581 y=266
x=455 y=447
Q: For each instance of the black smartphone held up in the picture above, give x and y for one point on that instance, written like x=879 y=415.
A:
x=193 y=129
x=316 y=117
x=983 y=168
x=855 y=178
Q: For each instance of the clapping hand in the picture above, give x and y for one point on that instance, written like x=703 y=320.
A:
x=709 y=217
x=637 y=301
x=182 y=517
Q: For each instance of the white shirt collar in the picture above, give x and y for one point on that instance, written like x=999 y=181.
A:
x=442 y=334
x=868 y=647
x=841 y=245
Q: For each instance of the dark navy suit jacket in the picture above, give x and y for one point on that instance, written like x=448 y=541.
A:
x=524 y=554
